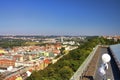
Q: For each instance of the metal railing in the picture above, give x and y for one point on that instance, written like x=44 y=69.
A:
x=78 y=74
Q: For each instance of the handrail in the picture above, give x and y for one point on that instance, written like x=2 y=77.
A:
x=77 y=75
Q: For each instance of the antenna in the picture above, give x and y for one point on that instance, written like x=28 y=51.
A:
x=106 y=58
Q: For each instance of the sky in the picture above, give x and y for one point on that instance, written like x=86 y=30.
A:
x=59 y=17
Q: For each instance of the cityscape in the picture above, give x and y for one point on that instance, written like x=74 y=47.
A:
x=59 y=40
x=20 y=56
x=34 y=55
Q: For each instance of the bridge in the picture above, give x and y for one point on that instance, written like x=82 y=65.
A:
x=89 y=68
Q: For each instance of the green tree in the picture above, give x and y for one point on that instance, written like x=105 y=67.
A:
x=62 y=50
x=65 y=72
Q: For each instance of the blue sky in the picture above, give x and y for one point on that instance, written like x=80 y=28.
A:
x=60 y=17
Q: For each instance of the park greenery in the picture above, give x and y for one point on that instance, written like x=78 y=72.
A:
x=10 y=43
x=66 y=66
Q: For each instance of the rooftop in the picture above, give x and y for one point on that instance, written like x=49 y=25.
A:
x=91 y=71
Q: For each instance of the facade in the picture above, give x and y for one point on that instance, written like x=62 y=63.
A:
x=7 y=62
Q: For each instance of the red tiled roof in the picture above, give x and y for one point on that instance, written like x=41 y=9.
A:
x=47 y=61
x=12 y=77
x=17 y=56
x=1 y=54
x=7 y=60
x=30 y=70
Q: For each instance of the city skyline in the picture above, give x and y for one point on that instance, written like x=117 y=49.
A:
x=59 y=17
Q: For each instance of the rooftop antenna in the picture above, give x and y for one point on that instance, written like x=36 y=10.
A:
x=106 y=58
x=104 y=66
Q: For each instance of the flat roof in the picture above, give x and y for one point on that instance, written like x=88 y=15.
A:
x=116 y=51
